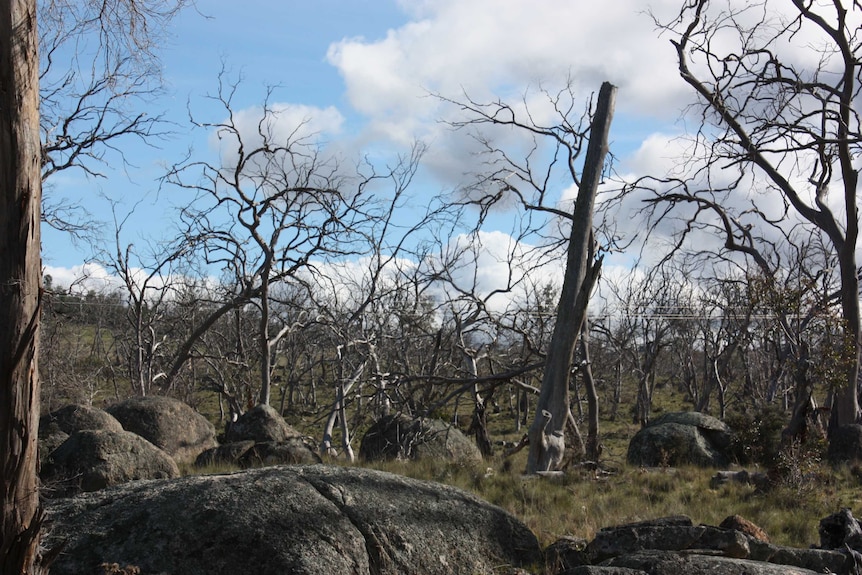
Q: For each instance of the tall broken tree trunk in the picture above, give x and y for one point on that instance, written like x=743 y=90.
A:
x=547 y=433
x=20 y=285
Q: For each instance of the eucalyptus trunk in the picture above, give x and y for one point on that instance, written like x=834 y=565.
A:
x=547 y=432
x=20 y=287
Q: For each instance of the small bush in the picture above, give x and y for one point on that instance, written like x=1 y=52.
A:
x=757 y=435
x=798 y=467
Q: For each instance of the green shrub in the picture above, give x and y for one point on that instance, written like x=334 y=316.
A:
x=757 y=435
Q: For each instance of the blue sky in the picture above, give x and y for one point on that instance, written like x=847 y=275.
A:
x=281 y=44
x=365 y=67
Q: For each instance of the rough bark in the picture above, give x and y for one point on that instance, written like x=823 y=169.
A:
x=547 y=433
x=20 y=284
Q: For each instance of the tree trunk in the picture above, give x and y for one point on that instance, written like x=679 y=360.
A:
x=345 y=431
x=339 y=415
x=593 y=446
x=846 y=408
x=644 y=401
x=547 y=433
x=803 y=403
x=618 y=388
x=20 y=285
x=264 y=341
x=479 y=424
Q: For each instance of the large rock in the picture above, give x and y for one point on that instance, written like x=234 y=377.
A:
x=291 y=519
x=743 y=525
x=714 y=430
x=72 y=418
x=565 y=554
x=292 y=450
x=668 y=563
x=227 y=454
x=676 y=546
x=247 y=454
x=667 y=534
x=400 y=437
x=602 y=570
x=679 y=439
x=48 y=444
x=260 y=424
x=168 y=424
x=840 y=531
x=93 y=459
x=55 y=427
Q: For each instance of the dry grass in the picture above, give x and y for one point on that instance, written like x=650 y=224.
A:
x=580 y=502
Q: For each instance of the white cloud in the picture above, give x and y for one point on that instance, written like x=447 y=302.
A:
x=476 y=266
x=281 y=124
x=83 y=278
x=491 y=47
x=508 y=49
x=345 y=284
x=500 y=49
x=94 y=277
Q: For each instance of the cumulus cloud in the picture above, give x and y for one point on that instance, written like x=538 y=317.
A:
x=489 y=49
x=83 y=278
x=93 y=277
x=485 y=46
x=515 y=51
x=297 y=126
x=491 y=266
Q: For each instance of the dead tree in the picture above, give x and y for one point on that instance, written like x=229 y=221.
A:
x=525 y=182
x=784 y=129
x=547 y=433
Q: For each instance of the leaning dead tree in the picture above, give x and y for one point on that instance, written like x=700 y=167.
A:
x=552 y=151
x=547 y=433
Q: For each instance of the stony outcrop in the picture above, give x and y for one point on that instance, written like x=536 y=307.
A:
x=743 y=525
x=759 y=479
x=55 y=427
x=167 y=423
x=260 y=424
x=681 y=438
x=667 y=563
x=676 y=546
x=289 y=519
x=72 y=418
x=260 y=437
x=48 y=444
x=401 y=437
x=94 y=459
x=292 y=450
x=840 y=531
x=226 y=454
x=246 y=454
